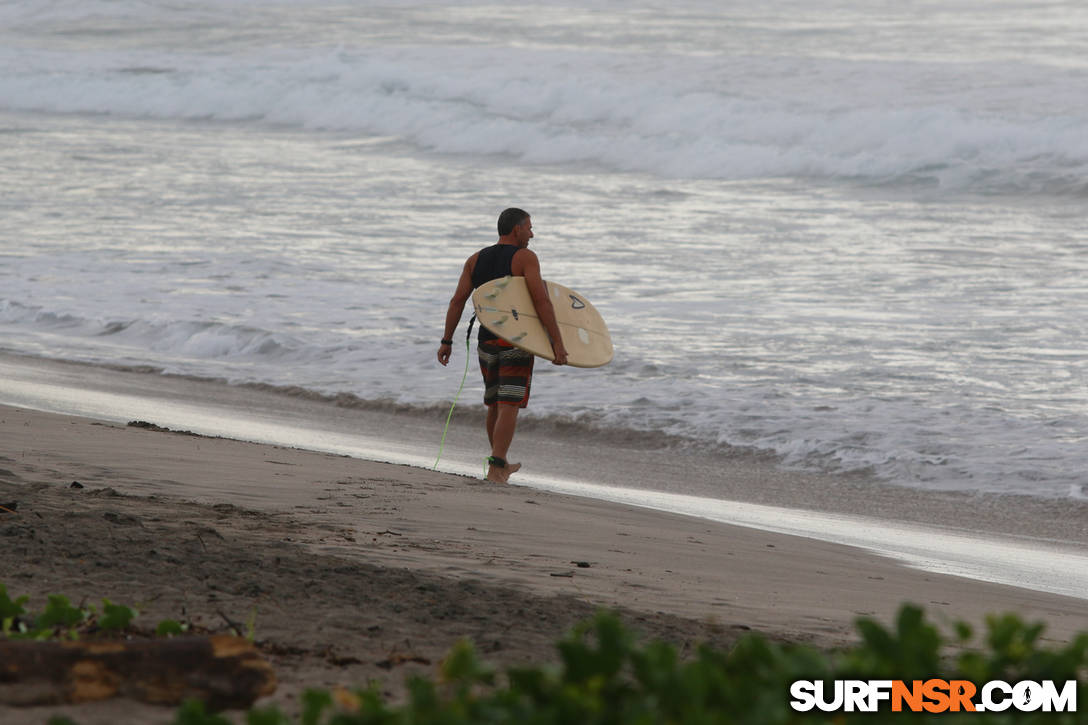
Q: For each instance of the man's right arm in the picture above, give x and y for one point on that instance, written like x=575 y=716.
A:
x=457 y=306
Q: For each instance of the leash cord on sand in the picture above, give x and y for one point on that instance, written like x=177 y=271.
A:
x=468 y=352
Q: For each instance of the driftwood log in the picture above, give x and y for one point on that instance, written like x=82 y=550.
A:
x=223 y=671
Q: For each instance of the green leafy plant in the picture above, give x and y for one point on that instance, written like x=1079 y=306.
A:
x=115 y=616
x=605 y=677
x=170 y=627
x=909 y=651
x=193 y=712
x=61 y=618
x=11 y=608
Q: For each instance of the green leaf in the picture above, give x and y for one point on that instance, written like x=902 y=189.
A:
x=168 y=627
x=59 y=613
x=192 y=712
x=10 y=609
x=267 y=716
x=314 y=703
x=463 y=667
x=115 y=616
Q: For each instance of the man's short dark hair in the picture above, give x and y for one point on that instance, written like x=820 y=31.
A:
x=509 y=219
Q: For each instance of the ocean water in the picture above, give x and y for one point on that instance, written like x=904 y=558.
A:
x=847 y=233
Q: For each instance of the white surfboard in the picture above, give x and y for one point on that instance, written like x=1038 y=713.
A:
x=505 y=307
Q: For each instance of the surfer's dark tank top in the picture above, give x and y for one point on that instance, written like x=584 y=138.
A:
x=493 y=263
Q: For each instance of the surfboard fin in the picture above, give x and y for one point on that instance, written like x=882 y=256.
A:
x=499 y=287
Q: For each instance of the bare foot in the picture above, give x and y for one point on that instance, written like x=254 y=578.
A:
x=501 y=475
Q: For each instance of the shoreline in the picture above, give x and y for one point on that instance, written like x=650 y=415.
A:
x=556 y=456
x=192 y=526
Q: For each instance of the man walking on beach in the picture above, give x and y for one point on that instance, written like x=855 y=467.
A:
x=507 y=370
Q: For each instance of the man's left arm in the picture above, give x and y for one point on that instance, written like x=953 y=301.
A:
x=526 y=264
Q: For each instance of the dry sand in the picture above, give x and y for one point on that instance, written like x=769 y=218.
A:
x=360 y=570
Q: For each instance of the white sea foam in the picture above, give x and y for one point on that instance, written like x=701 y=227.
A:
x=988 y=125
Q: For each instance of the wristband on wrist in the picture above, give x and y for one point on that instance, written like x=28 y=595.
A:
x=447 y=341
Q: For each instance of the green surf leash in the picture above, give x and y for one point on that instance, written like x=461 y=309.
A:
x=468 y=352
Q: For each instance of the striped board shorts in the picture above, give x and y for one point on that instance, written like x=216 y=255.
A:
x=507 y=373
